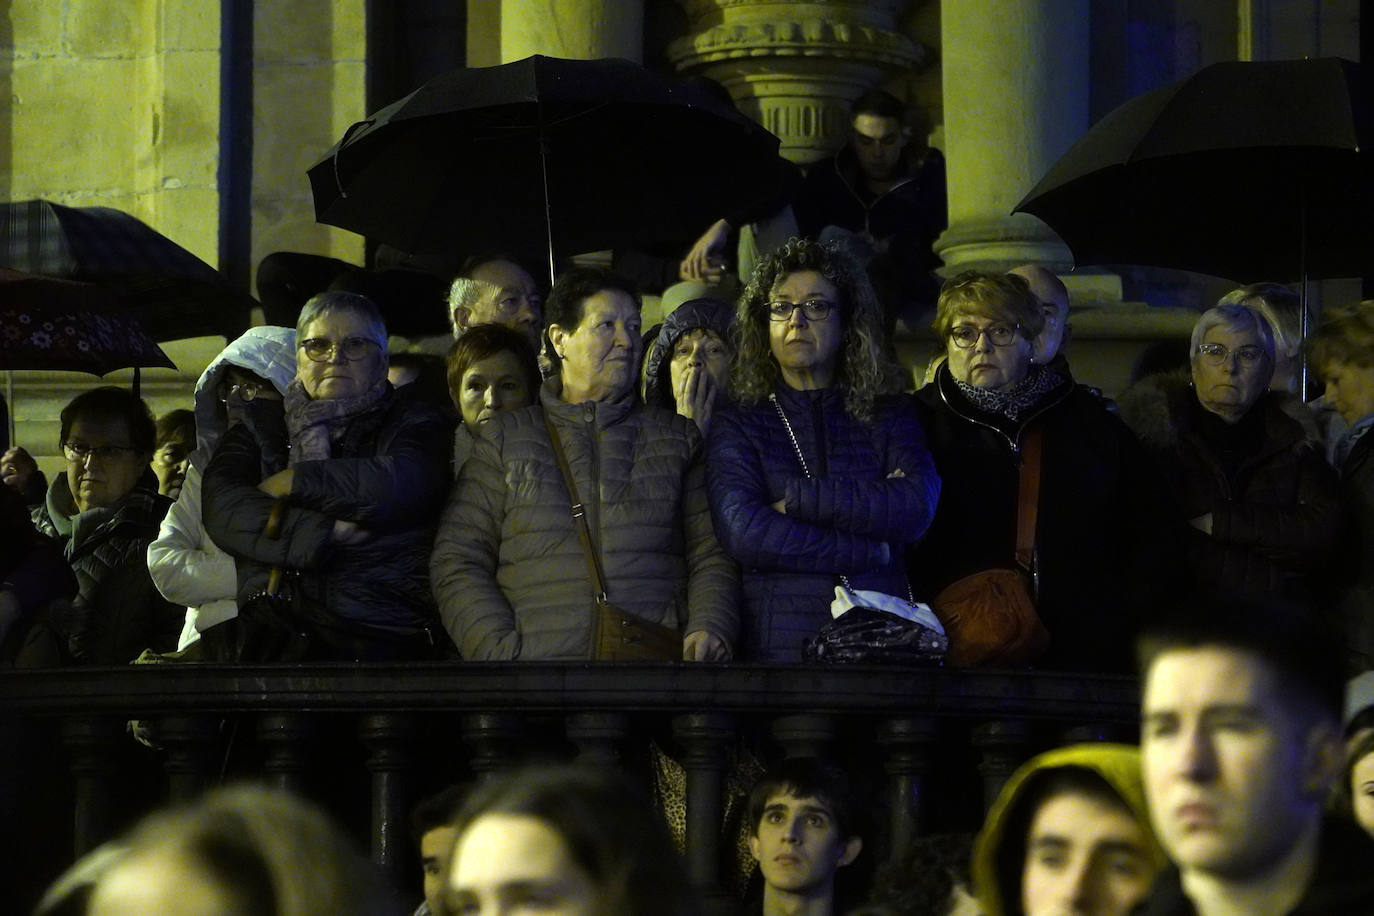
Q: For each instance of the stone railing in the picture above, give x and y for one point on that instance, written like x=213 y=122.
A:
x=939 y=740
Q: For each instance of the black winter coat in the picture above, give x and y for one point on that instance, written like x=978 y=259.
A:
x=1101 y=539
x=1276 y=518
x=389 y=474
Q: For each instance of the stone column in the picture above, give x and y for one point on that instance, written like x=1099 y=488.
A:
x=1015 y=75
x=583 y=29
x=796 y=65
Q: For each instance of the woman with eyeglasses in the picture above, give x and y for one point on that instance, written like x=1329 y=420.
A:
x=187 y=566
x=328 y=499
x=1247 y=477
x=819 y=476
x=1097 y=528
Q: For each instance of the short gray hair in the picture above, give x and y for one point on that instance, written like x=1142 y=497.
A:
x=337 y=300
x=1235 y=318
x=465 y=293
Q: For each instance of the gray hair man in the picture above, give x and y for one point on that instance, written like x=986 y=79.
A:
x=496 y=290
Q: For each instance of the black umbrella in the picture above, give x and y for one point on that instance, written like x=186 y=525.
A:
x=171 y=291
x=1245 y=170
x=572 y=155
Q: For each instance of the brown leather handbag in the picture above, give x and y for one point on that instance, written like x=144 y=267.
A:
x=617 y=635
x=990 y=615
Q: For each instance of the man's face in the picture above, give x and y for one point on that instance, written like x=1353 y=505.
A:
x=879 y=143
x=799 y=846
x=1234 y=771
x=1054 y=306
x=1084 y=857
x=436 y=847
x=512 y=300
x=102 y=463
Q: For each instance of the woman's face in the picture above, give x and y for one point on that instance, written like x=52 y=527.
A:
x=1362 y=792
x=985 y=363
x=1349 y=389
x=336 y=375
x=170 y=462
x=701 y=349
x=600 y=357
x=807 y=349
x=1231 y=370
x=490 y=386
x=517 y=865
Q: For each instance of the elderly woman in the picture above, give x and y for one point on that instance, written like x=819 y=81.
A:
x=1261 y=505
x=187 y=566
x=817 y=478
x=510 y=567
x=1093 y=548
x=491 y=368
x=688 y=365
x=332 y=541
x=1343 y=354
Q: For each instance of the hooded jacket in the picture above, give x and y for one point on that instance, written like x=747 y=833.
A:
x=694 y=314
x=509 y=572
x=999 y=858
x=1276 y=516
x=187 y=566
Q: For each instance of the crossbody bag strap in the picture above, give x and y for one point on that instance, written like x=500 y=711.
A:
x=1028 y=499
x=579 y=514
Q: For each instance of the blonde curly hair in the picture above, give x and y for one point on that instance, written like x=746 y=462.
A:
x=863 y=372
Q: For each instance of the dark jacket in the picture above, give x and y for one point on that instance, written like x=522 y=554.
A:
x=851 y=519
x=1101 y=537
x=1275 y=511
x=117 y=612
x=388 y=473
x=1342 y=886
x=1355 y=577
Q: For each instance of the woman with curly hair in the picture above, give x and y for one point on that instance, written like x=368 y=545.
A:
x=819 y=475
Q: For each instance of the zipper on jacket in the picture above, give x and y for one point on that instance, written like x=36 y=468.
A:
x=594 y=452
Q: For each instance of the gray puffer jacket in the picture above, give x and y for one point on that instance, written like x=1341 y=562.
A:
x=509 y=572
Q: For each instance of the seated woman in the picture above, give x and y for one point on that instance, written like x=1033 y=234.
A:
x=816 y=476
x=105 y=510
x=1098 y=530
x=187 y=566
x=491 y=368
x=337 y=536
x=688 y=365
x=1261 y=505
x=509 y=568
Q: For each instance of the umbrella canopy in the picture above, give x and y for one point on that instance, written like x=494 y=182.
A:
x=60 y=324
x=1245 y=170
x=577 y=155
x=170 y=290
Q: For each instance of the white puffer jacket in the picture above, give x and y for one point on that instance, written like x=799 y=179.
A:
x=186 y=565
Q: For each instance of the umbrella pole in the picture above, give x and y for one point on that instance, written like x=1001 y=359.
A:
x=1303 y=321
x=548 y=203
x=136 y=383
x=9 y=404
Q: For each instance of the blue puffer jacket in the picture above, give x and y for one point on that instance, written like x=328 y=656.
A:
x=852 y=518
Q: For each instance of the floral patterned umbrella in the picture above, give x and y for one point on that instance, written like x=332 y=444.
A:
x=60 y=324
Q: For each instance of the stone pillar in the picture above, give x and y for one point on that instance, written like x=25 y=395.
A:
x=583 y=29
x=1015 y=76
x=796 y=65
x=1003 y=745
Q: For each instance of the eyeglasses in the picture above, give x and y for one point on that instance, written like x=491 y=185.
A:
x=322 y=349
x=246 y=391
x=813 y=309
x=1214 y=354
x=966 y=336
x=80 y=453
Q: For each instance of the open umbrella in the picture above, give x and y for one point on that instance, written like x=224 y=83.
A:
x=1244 y=170
x=61 y=324
x=575 y=155
x=171 y=291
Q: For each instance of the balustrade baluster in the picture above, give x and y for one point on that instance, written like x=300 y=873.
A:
x=704 y=737
x=909 y=744
x=805 y=735
x=493 y=738
x=90 y=749
x=389 y=739
x=598 y=736
x=190 y=742
x=286 y=741
x=1004 y=745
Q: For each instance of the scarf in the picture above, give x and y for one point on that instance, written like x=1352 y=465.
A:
x=1014 y=401
x=314 y=425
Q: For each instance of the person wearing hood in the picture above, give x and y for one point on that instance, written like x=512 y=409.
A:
x=1069 y=833
x=105 y=510
x=688 y=365
x=187 y=566
x=1261 y=505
